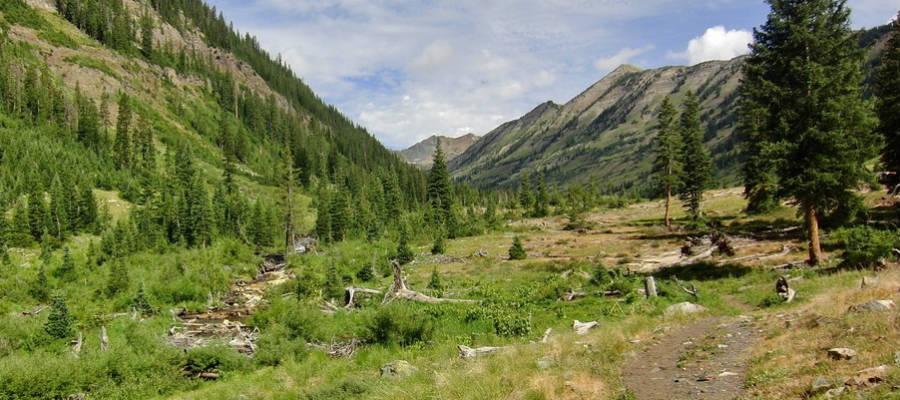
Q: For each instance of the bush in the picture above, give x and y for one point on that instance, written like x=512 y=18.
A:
x=213 y=358
x=400 y=325
x=865 y=246
x=277 y=346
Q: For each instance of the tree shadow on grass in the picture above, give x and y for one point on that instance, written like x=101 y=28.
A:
x=704 y=272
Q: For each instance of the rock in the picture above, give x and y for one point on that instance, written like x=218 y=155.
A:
x=841 y=353
x=684 y=308
x=868 y=281
x=727 y=373
x=582 y=328
x=874 y=305
x=820 y=385
x=398 y=368
x=836 y=392
x=869 y=376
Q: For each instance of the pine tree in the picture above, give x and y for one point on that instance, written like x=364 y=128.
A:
x=439 y=247
x=59 y=323
x=517 y=250
x=695 y=158
x=67 y=269
x=141 y=304
x=435 y=283
x=87 y=206
x=144 y=150
x=526 y=197
x=805 y=70
x=405 y=254
x=290 y=177
x=338 y=217
x=40 y=287
x=146 y=34
x=887 y=88
x=439 y=194
x=542 y=200
x=366 y=273
x=323 y=219
x=37 y=212
x=667 y=164
x=117 y=281
x=122 y=145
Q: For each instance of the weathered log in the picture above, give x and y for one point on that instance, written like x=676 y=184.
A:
x=572 y=295
x=691 y=290
x=399 y=290
x=104 y=339
x=650 y=287
x=35 y=311
x=350 y=295
x=76 y=347
x=469 y=352
x=546 y=336
x=582 y=328
x=784 y=290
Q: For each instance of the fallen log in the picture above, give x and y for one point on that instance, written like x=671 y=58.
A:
x=37 y=310
x=104 y=339
x=572 y=295
x=350 y=294
x=546 y=336
x=469 y=352
x=582 y=328
x=399 y=290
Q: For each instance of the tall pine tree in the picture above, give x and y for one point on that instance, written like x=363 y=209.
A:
x=667 y=165
x=439 y=194
x=805 y=79
x=696 y=163
x=887 y=88
x=122 y=144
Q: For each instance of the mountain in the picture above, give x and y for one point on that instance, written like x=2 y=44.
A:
x=420 y=154
x=604 y=135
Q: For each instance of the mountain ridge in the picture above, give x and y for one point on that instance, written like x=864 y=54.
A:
x=420 y=154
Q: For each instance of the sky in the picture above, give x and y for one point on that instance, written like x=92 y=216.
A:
x=408 y=69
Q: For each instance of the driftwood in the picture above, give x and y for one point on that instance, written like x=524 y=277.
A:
x=784 y=290
x=104 y=339
x=35 y=311
x=76 y=347
x=582 y=328
x=469 y=352
x=350 y=295
x=572 y=295
x=399 y=290
x=650 y=287
x=691 y=290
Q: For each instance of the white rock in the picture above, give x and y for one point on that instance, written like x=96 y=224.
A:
x=684 y=308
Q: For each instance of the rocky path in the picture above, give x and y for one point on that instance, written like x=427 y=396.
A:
x=706 y=359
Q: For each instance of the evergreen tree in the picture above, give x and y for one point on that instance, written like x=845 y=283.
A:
x=141 y=304
x=439 y=194
x=40 y=287
x=667 y=164
x=805 y=70
x=338 y=217
x=60 y=206
x=695 y=158
x=117 y=281
x=405 y=254
x=67 y=269
x=37 y=214
x=439 y=246
x=146 y=35
x=366 y=273
x=526 y=197
x=517 y=250
x=290 y=177
x=87 y=206
x=542 y=200
x=435 y=283
x=59 y=323
x=122 y=145
x=887 y=88
x=144 y=150
x=323 y=219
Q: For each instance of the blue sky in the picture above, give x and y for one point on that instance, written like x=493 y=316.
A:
x=407 y=69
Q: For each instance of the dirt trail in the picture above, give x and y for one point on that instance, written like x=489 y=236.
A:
x=706 y=359
x=224 y=323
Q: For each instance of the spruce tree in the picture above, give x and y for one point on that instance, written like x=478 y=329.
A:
x=435 y=283
x=696 y=163
x=887 y=88
x=340 y=223
x=290 y=177
x=667 y=164
x=37 y=213
x=439 y=193
x=517 y=250
x=323 y=219
x=405 y=254
x=146 y=23
x=526 y=197
x=40 y=287
x=59 y=322
x=542 y=200
x=141 y=304
x=88 y=214
x=805 y=68
x=122 y=145
x=67 y=269
x=439 y=246
x=117 y=281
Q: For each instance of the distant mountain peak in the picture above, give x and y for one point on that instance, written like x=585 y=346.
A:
x=421 y=153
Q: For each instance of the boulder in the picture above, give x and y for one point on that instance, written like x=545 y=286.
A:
x=684 y=308
x=841 y=353
x=398 y=368
x=820 y=385
x=869 y=376
x=835 y=393
x=874 y=305
x=582 y=328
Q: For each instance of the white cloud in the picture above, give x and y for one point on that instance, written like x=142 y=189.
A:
x=716 y=43
x=624 y=56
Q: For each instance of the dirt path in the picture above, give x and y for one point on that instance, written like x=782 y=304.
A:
x=706 y=359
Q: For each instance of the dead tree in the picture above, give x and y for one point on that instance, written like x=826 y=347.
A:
x=104 y=339
x=469 y=352
x=351 y=293
x=784 y=290
x=399 y=290
x=76 y=347
x=650 y=287
x=691 y=290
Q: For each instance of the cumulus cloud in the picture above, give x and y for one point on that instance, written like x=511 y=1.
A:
x=624 y=56
x=716 y=43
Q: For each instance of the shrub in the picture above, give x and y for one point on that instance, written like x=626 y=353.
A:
x=865 y=246
x=400 y=325
x=59 y=323
x=366 y=273
x=276 y=346
x=517 y=250
x=213 y=358
x=405 y=254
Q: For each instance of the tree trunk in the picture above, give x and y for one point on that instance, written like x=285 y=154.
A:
x=812 y=228
x=668 y=204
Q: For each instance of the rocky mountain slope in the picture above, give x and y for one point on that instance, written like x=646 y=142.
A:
x=420 y=154
x=605 y=134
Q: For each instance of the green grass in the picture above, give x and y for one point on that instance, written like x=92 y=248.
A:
x=92 y=63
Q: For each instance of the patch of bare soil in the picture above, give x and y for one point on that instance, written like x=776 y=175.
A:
x=706 y=359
